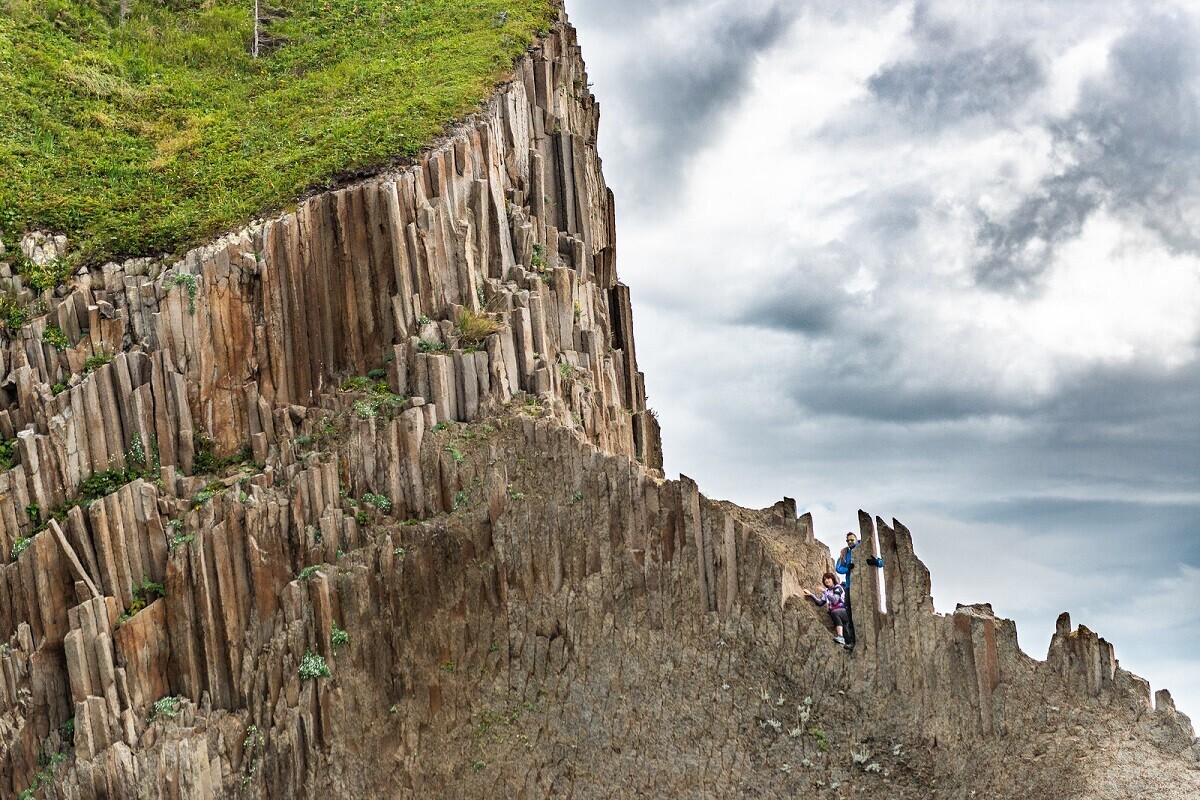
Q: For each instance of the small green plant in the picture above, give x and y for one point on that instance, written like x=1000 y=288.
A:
x=101 y=484
x=20 y=544
x=423 y=320
x=187 y=280
x=58 y=388
x=380 y=403
x=205 y=460
x=377 y=374
x=205 y=495
x=440 y=426
x=55 y=337
x=308 y=571
x=430 y=346
x=178 y=537
x=148 y=591
x=166 y=708
x=538 y=259
x=34 y=512
x=455 y=454
x=362 y=518
x=460 y=499
x=252 y=747
x=8 y=454
x=137 y=451
x=449 y=666
x=97 y=359
x=339 y=636
x=13 y=312
x=479 y=766
x=356 y=384
x=513 y=494
x=820 y=737
x=379 y=501
x=43 y=277
x=399 y=551
x=313 y=666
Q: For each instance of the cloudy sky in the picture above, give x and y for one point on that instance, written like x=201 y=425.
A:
x=939 y=261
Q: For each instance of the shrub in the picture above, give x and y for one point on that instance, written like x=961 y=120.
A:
x=8 y=454
x=187 y=280
x=42 y=277
x=97 y=360
x=148 y=591
x=55 y=337
x=20 y=544
x=205 y=461
x=166 y=708
x=538 y=259
x=308 y=571
x=379 y=501
x=13 y=313
x=104 y=483
x=313 y=666
x=339 y=636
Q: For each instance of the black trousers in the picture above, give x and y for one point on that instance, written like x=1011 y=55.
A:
x=848 y=628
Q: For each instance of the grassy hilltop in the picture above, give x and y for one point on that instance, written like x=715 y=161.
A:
x=151 y=135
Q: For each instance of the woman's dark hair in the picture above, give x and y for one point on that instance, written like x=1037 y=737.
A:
x=830 y=576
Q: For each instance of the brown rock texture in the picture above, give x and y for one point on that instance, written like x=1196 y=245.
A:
x=401 y=434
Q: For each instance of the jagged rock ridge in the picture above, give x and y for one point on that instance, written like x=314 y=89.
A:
x=528 y=608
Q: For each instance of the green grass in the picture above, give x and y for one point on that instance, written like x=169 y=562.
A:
x=152 y=136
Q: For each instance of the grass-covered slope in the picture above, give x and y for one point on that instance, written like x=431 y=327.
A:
x=151 y=135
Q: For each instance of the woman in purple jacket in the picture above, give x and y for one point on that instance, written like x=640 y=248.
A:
x=833 y=597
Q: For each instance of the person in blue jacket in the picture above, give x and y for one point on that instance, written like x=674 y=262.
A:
x=845 y=566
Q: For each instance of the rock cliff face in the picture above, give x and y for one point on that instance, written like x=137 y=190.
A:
x=365 y=499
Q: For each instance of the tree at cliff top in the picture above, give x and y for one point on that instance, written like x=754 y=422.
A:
x=152 y=134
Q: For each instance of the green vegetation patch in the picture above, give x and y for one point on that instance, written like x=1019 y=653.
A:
x=154 y=134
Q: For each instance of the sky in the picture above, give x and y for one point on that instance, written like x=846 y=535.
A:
x=939 y=261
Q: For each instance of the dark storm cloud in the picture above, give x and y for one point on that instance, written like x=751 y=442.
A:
x=1134 y=144
x=1152 y=524
x=941 y=88
x=811 y=298
x=862 y=393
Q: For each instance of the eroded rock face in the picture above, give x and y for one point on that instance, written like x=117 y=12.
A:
x=528 y=608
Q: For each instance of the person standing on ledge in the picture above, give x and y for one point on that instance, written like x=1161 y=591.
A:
x=845 y=566
x=833 y=597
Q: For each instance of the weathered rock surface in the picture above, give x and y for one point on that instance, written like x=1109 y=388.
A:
x=528 y=608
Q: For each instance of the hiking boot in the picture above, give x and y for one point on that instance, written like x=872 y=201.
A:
x=839 y=640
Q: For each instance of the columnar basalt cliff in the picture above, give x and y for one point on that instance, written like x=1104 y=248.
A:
x=365 y=499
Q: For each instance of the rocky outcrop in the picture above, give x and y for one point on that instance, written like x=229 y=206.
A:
x=365 y=499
